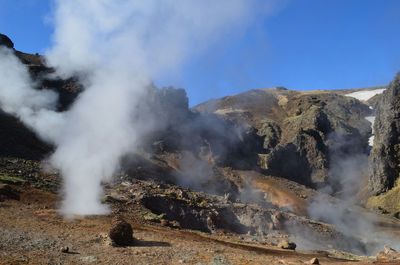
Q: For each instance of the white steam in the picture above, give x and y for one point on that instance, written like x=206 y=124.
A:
x=17 y=97
x=115 y=47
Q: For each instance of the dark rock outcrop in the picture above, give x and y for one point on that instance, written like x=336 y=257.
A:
x=297 y=128
x=5 y=41
x=6 y=192
x=385 y=154
x=16 y=140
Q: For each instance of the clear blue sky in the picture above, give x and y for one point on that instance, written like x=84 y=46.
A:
x=306 y=45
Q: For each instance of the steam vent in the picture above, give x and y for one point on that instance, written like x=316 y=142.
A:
x=102 y=161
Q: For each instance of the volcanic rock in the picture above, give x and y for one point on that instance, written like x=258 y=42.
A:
x=388 y=255
x=385 y=154
x=64 y=249
x=285 y=244
x=175 y=224
x=164 y=222
x=121 y=232
x=5 y=41
x=7 y=192
x=297 y=128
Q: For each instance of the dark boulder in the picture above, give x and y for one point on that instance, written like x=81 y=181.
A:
x=5 y=41
x=121 y=232
x=285 y=244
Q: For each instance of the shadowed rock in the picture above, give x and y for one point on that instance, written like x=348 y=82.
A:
x=5 y=41
x=121 y=232
x=385 y=154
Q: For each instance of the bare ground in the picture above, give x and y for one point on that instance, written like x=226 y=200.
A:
x=32 y=232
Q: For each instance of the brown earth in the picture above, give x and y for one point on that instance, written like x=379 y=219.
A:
x=33 y=232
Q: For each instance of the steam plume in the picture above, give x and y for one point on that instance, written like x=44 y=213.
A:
x=115 y=47
x=348 y=169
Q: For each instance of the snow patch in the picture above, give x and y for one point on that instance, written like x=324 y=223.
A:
x=371 y=119
x=366 y=94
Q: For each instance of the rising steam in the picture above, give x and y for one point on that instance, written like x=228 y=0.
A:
x=115 y=48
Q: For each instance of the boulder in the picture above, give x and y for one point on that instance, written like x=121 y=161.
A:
x=388 y=255
x=285 y=244
x=64 y=249
x=5 y=41
x=121 y=232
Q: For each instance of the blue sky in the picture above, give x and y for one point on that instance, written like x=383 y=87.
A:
x=305 y=45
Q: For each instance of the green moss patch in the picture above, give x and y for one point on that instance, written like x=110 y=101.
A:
x=11 y=179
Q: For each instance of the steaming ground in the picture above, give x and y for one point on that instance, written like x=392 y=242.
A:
x=114 y=49
x=250 y=170
x=77 y=154
x=350 y=172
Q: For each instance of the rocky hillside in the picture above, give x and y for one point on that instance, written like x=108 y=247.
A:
x=385 y=154
x=242 y=170
x=300 y=130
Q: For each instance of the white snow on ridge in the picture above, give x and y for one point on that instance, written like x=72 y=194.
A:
x=371 y=119
x=366 y=94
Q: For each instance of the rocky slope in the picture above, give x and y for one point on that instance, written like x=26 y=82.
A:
x=300 y=129
x=385 y=154
x=244 y=168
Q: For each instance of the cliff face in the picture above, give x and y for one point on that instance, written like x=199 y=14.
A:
x=302 y=131
x=385 y=154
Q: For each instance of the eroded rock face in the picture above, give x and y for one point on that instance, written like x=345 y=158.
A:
x=385 y=154
x=297 y=129
x=212 y=214
x=5 y=41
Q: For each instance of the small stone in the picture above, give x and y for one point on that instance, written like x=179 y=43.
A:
x=314 y=261
x=89 y=259
x=389 y=250
x=164 y=222
x=382 y=256
x=182 y=194
x=175 y=224
x=64 y=249
x=388 y=255
x=285 y=244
